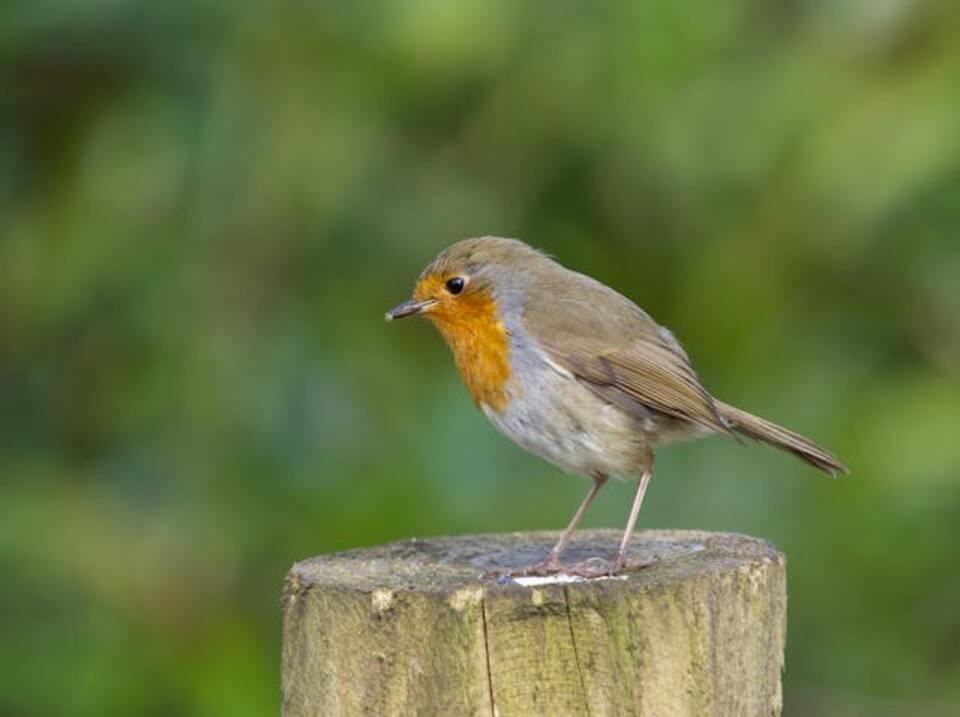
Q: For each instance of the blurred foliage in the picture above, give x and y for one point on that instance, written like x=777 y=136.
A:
x=205 y=208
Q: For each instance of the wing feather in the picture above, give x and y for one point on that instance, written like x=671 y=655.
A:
x=616 y=349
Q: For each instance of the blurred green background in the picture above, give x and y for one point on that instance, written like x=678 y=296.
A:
x=205 y=208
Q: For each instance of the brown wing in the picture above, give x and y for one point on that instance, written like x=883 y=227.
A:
x=616 y=349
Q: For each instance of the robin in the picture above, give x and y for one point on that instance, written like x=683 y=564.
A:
x=575 y=373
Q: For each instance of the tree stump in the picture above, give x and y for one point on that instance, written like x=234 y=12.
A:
x=419 y=628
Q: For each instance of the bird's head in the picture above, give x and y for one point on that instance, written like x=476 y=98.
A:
x=472 y=280
x=468 y=292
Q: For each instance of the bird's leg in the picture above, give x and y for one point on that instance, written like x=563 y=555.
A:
x=620 y=559
x=554 y=557
x=551 y=564
x=597 y=567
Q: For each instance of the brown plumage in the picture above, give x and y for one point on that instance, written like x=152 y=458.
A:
x=625 y=357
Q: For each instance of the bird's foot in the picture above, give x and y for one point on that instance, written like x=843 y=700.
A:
x=600 y=568
x=548 y=566
x=591 y=568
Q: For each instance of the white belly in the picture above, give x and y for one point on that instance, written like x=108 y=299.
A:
x=555 y=417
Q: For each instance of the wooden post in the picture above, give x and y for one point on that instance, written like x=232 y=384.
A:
x=415 y=628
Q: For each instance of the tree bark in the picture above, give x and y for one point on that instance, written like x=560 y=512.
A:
x=417 y=628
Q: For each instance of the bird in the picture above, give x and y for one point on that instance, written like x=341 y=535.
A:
x=577 y=374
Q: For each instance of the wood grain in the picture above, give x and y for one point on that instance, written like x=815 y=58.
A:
x=417 y=628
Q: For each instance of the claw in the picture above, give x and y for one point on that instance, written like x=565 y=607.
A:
x=595 y=567
x=599 y=567
x=549 y=566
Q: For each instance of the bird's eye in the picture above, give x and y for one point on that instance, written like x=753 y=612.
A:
x=455 y=285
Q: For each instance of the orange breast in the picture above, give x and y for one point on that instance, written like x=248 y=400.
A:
x=478 y=340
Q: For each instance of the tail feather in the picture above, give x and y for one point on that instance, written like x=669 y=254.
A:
x=764 y=431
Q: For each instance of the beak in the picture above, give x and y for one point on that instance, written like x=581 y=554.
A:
x=409 y=308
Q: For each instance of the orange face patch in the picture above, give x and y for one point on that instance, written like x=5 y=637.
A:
x=469 y=324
